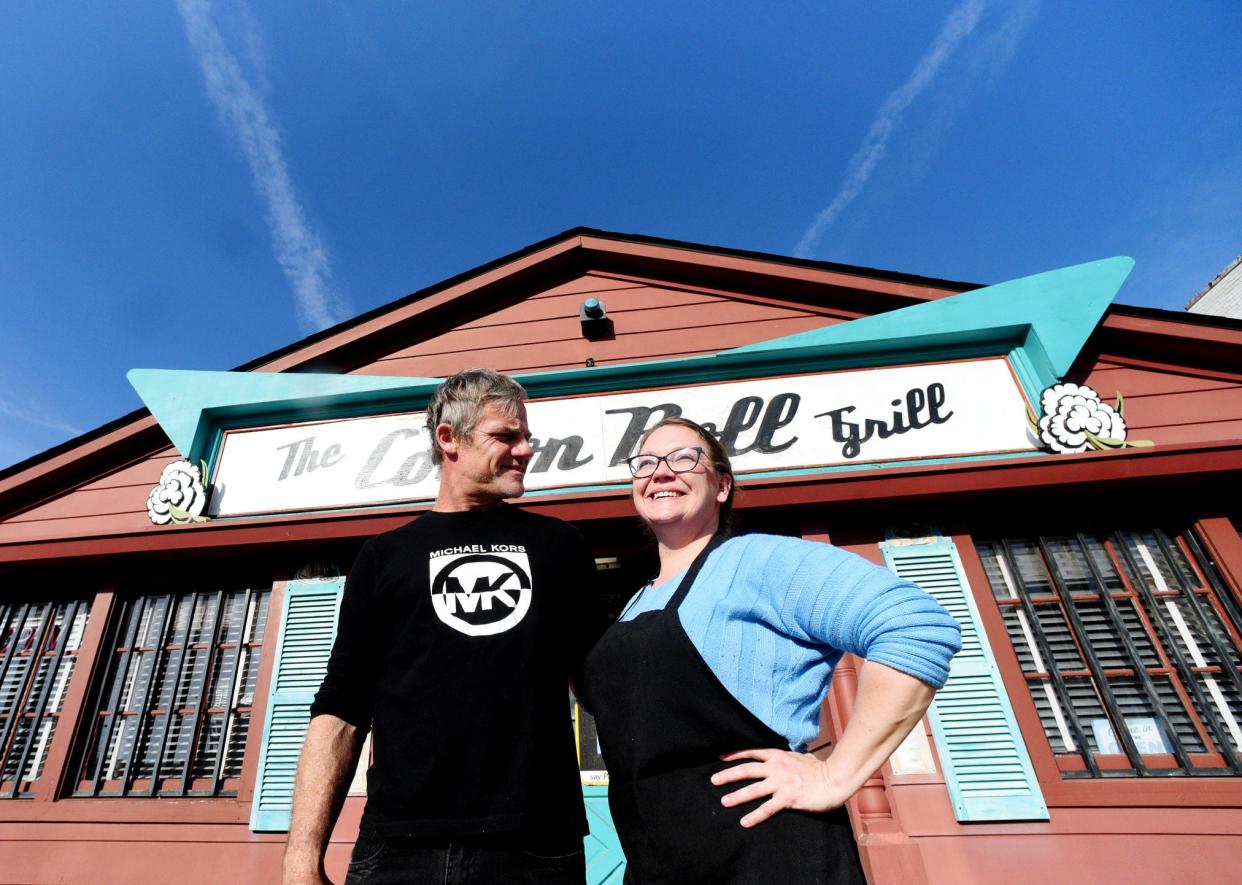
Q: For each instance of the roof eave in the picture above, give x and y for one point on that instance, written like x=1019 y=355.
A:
x=347 y=345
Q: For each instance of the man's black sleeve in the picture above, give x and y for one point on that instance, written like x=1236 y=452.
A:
x=585 y=623
x=348 y=688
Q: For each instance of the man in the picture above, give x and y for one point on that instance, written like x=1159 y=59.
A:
x=458 y=635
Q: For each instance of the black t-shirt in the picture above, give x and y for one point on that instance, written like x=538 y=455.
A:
x=458 y=636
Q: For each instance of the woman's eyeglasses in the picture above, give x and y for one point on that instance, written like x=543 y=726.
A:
x=678 y=461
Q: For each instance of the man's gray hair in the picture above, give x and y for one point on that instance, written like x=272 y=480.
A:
x=459 y=401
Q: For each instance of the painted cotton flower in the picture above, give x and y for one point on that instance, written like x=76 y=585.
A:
x=180 y=496
x=1075 y=420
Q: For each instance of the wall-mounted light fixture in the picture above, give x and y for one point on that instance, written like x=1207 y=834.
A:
x=594 y=318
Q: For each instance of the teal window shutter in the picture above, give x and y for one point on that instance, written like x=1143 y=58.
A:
x=986 y=766
x=308 y=629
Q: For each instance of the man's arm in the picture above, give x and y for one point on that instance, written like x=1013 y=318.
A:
x=585 y=621
x=329 y=758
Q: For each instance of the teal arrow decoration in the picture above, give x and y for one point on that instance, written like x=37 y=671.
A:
x=1059 y=307
x=188 y=403
x=1041 y=322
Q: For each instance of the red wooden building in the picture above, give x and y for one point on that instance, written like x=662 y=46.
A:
x=154 y=666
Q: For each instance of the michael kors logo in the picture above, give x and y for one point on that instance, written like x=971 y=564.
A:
x=481 y=594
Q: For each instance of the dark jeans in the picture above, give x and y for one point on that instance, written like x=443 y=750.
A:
x=380 y=860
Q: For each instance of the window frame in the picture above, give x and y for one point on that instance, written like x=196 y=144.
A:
x=1218 y=537
x=75 y=604
x=177 y=646
x=51 y=800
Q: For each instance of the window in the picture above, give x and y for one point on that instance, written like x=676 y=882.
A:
x=1129 y=644
x=172 y=711
x=38 y=647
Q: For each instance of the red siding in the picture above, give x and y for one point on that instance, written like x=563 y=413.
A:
x=905 y=823
x=538 y=332
x=1124 y=845
x=1102 y=845
x=113 y=502
x=649 y=322
x=137 y=854
x=1170 y=407
x=86 y=502
x=144 y=473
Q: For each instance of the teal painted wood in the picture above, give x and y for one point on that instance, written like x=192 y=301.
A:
x=1032 y=370
x=1039 y=322
x=792 y=471
x=986 y=765
x=187 y=403
x=762 y=474
x=605 y=861
x=308 y=629
x=1060 y=307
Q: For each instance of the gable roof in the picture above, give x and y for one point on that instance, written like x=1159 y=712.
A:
x=862 y=291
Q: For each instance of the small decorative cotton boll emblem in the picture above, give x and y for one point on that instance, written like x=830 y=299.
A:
x=1075 y=420
x=180 y=496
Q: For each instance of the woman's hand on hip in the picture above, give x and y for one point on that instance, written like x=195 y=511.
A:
x=791 y=780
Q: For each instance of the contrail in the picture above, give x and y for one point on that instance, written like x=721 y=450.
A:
x=37 y=418
x=300 y=252
x=957 y=26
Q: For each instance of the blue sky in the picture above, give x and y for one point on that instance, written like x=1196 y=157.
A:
x=186 y=184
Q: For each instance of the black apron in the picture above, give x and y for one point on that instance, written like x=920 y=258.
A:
x=664 y=720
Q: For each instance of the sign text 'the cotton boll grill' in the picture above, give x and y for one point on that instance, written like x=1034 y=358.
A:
x=805 y=421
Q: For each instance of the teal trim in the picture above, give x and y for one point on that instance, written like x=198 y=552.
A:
x=737 y=365
x=624 y=484
x=577 y=490
x=875 y=465
x=186 y=403
x=605 y=861
x=308 y=629
x=1031 y=368
x=987 y=769
x=194 y=407
x=401 y=398
x=805 y=471
x=1039 y=323
x=1059 y=307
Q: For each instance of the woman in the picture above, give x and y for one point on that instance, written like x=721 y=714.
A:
x=714 y=675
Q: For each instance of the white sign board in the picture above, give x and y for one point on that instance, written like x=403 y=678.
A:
x=850 y=417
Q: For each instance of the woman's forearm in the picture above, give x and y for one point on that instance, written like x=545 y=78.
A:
x=888 y=705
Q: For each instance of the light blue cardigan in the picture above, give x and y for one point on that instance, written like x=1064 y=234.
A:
x=771 y=616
